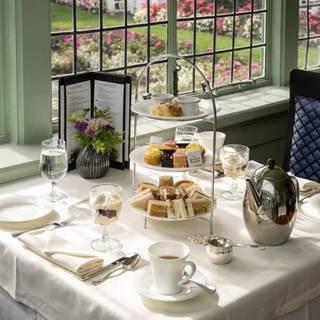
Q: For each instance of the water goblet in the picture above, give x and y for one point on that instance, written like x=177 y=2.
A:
x=186 y=135
x=53 y=166
x=106 y=204
x=234 y=159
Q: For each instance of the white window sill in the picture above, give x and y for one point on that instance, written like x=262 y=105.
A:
x=22 y=161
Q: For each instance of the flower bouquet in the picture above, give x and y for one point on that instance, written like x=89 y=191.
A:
x=98 y=138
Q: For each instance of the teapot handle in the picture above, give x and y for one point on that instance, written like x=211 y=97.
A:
x=296 y=185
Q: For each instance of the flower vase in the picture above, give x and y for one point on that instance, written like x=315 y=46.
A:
x=92 y=165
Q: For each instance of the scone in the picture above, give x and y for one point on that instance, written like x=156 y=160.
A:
x=152 y=156
x=166 y=110
x=184 y=184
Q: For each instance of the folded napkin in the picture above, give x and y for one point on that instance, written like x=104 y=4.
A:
x=56 y=248
x=309 y=188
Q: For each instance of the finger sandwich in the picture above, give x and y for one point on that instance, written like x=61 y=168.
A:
x=141 y=199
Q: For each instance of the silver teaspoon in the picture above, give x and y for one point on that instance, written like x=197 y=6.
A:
x=127 y=265
x=208 y=288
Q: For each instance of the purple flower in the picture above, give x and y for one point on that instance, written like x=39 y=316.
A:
x=81 y=127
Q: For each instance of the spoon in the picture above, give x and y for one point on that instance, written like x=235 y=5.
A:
x=127 y=265
x=204 y=239
x=208 y=288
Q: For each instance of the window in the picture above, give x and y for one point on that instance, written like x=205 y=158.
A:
x=309 y=34
x=225 y=38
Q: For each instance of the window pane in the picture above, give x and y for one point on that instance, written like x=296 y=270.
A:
x=185 y=37
x=61 y=15
x=87 y=14
x=137 y=15
x=224 y=6
x=88 y=53
x=158 y=40
x=205 y=8
x=135 y=73
x=158 y=10
x=242 y=30
x=243 y=5
x=303 y=27
x=302 y=53
x=241 y=65
x=158 y=78
x=257 y=63
x=224 y=33
x=137 y=45
x=222 y=69
x=185 y=8
x=55 y=99
x=205 y=65
x=113 y=49
x=204 y=36
x=185 y=76
x=258 y=28
x=259 y=4
x=61 y=55
x=313 y=53
x=113 y=13
x=314 y=21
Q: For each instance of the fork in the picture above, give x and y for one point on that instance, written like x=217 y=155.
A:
x=55 y=225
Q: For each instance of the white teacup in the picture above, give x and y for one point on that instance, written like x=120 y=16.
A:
x=169 y=267
x=162 y=97
x=189 y=105
x=206 y=140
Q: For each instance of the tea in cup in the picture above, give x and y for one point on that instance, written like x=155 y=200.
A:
x=169 y=266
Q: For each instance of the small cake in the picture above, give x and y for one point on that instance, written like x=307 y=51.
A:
x=166 y=181
x=180 y=159
x=141 y=199
x=152 y=156
x=157 y=208
x=196 y=146
x=170 y=143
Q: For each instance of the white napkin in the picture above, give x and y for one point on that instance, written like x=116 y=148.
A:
x=309 y=188
x=56 y=248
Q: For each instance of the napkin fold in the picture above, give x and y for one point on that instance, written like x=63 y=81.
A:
x=309 y=188
x=56 y=248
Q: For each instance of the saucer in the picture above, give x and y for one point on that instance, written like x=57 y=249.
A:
x=144 y=286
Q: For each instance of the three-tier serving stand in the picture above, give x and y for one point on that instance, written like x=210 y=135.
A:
x=212 y=115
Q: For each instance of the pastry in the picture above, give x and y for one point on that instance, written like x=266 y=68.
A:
x=141 y=199
x=166 y=181
x=170 y=143
x=180 y=208
x=184 y=184
x=194 y=158
x=157 y=208
x=167 y=110
x=196 y=146
x=167 y=158
x=152 y=156
x=200 y=205
x=179 y=159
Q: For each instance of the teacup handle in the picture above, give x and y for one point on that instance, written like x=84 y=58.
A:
x=187 y=275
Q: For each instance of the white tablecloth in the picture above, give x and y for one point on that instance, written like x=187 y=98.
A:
x=268 y=284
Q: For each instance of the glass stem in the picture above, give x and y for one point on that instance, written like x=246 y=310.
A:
x=234 y=186
x=53 y=189
x=105 y=233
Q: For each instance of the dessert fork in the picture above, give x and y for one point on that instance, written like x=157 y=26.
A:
x=54 y=225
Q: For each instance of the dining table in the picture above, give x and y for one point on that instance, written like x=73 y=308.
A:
x=280 y=282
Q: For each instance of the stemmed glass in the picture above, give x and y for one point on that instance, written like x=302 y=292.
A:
x=106 y=204
x=234 y=159
x=53 y=166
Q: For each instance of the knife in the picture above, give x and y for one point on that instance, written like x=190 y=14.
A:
x=109 y=267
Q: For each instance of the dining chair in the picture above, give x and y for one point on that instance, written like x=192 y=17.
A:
x=302 y=156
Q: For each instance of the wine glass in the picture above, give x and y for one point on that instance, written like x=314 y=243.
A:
x=106 y=204
x=186 y=135
x=53 y=166
x=234 y=158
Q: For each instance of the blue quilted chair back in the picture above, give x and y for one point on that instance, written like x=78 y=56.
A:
x=303 y=154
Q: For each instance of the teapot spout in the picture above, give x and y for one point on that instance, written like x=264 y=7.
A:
x=252 y=193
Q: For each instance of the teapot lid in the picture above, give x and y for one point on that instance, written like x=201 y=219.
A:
x=270 y=171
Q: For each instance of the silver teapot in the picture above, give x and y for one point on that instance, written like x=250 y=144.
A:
x=270 y=205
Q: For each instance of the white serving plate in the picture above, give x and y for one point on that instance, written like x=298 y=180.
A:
x=145 y=107
x=21 y=212
x=143 y=213
x=137 y=157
